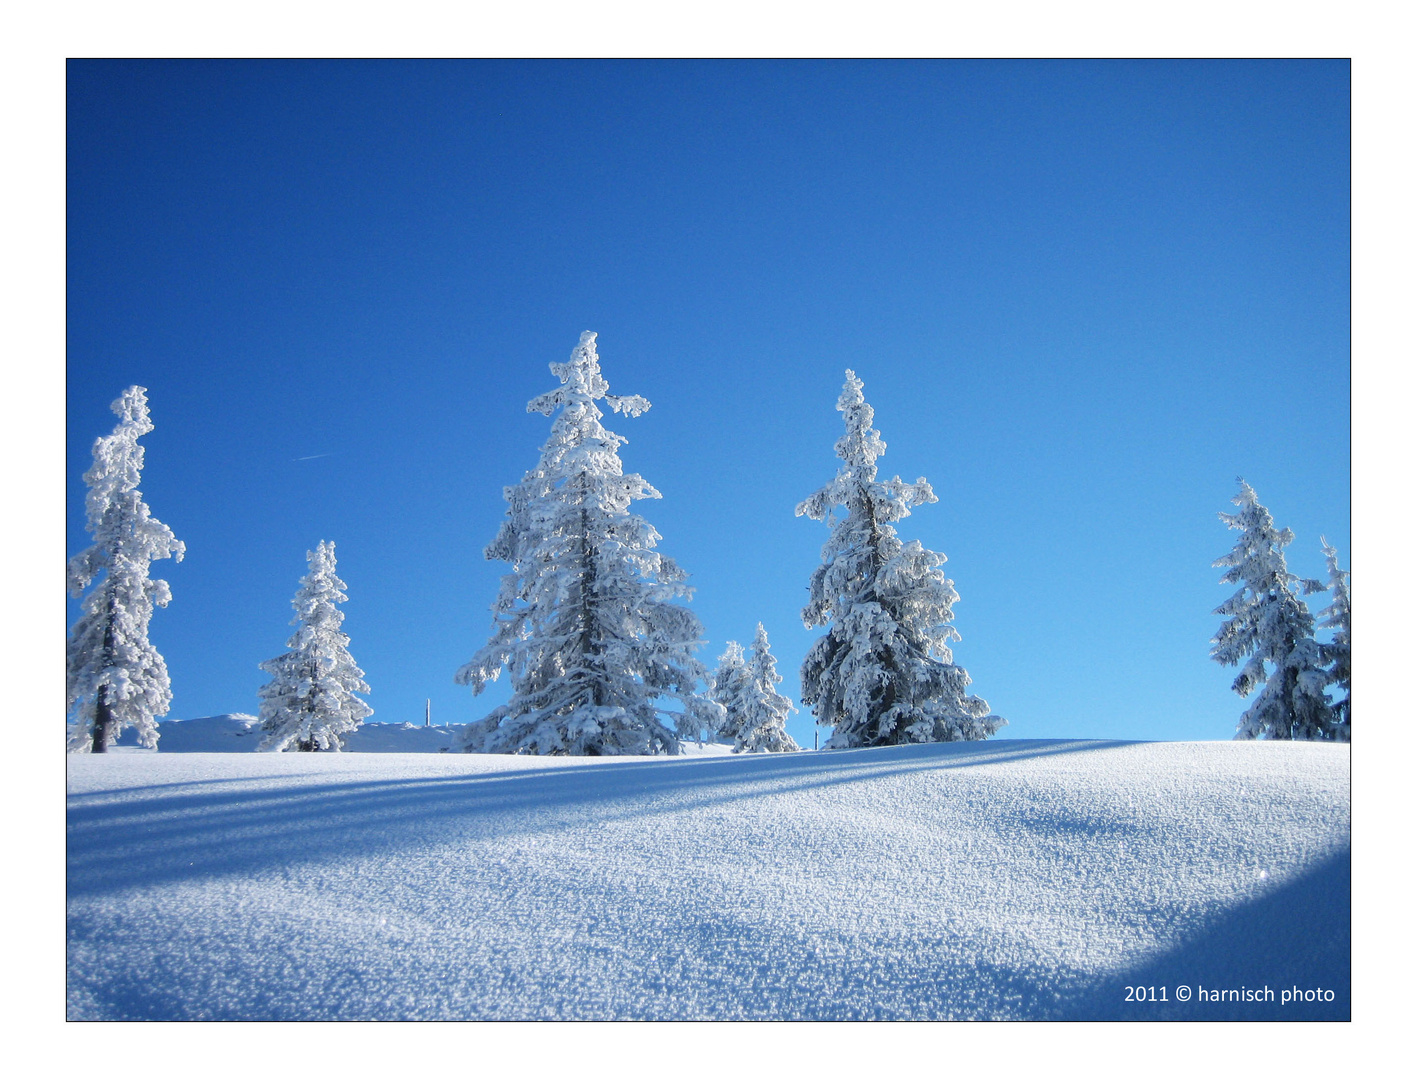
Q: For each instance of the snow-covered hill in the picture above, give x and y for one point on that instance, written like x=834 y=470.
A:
x=999 y=879
x=236 y=733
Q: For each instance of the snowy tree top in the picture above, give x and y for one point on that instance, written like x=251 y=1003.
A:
x=732 y=657
x=862 y=444
x=118 y=519
x=1257 y=559
x=1336 y=615
x=117 y=458
x=763 y=669
x=320 y=590
x=760 y=642
x=582 y=383
x=1252 y=517
x=855 y=487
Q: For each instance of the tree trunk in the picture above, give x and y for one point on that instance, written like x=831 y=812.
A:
x=308 y=745
x=587 y=613
x=102 y=722
x=102 y=711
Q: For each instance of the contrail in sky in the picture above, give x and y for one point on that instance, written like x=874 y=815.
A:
x=311 y=457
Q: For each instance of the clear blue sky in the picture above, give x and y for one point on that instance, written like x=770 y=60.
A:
x=1083 y=297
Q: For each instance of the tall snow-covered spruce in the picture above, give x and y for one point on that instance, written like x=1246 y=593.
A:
x=883 y=673
x=310 y=702
x=757 y=713
x=585 y=624
x=1337 y=653
x=116 y=679
x=1266 y=623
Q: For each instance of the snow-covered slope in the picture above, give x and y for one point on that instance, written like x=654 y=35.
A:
x=999 y=879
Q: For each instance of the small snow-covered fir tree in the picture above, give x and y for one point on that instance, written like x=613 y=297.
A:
x=759 y=716
x=1337 y=653
x=116 y=679
x=883 y=673
x=1267 y=626
x=586 y=624
x=728 y=688
x=310 y=702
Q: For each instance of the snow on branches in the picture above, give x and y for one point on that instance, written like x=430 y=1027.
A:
x=729 y=687
x=116 y=679
x=757 y=713
x=1266 y=623
x=586 y=624
x=883 y=673
x=310 y=702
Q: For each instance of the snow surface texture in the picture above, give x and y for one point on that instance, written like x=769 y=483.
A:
x=1007 y=879
x=883 y=673
x=237 y=733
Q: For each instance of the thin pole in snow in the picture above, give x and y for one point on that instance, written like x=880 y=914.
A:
x=427 y=712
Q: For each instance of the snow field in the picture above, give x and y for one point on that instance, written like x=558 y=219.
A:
x=1019 y=879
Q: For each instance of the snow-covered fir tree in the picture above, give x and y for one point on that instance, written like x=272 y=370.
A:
x=1269 y=631
x=116 y=679
x=586 y=623
x=310 y=702
x=759 y=713
x=883 y=673
x=1337 y=653
x=728 y=687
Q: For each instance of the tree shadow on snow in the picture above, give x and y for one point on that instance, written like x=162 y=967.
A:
x=196 y=829
x=1296 y=938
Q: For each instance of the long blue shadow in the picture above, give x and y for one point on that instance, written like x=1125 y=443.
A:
x=178 y=833
x=1297 y=938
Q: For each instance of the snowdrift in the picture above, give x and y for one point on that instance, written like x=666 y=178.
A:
x=1005 y=879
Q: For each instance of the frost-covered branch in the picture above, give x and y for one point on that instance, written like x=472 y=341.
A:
x=1337 y=654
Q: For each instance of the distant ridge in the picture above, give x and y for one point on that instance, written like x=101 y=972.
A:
x=240 y=733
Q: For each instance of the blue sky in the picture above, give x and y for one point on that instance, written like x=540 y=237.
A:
x=1083 y=298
